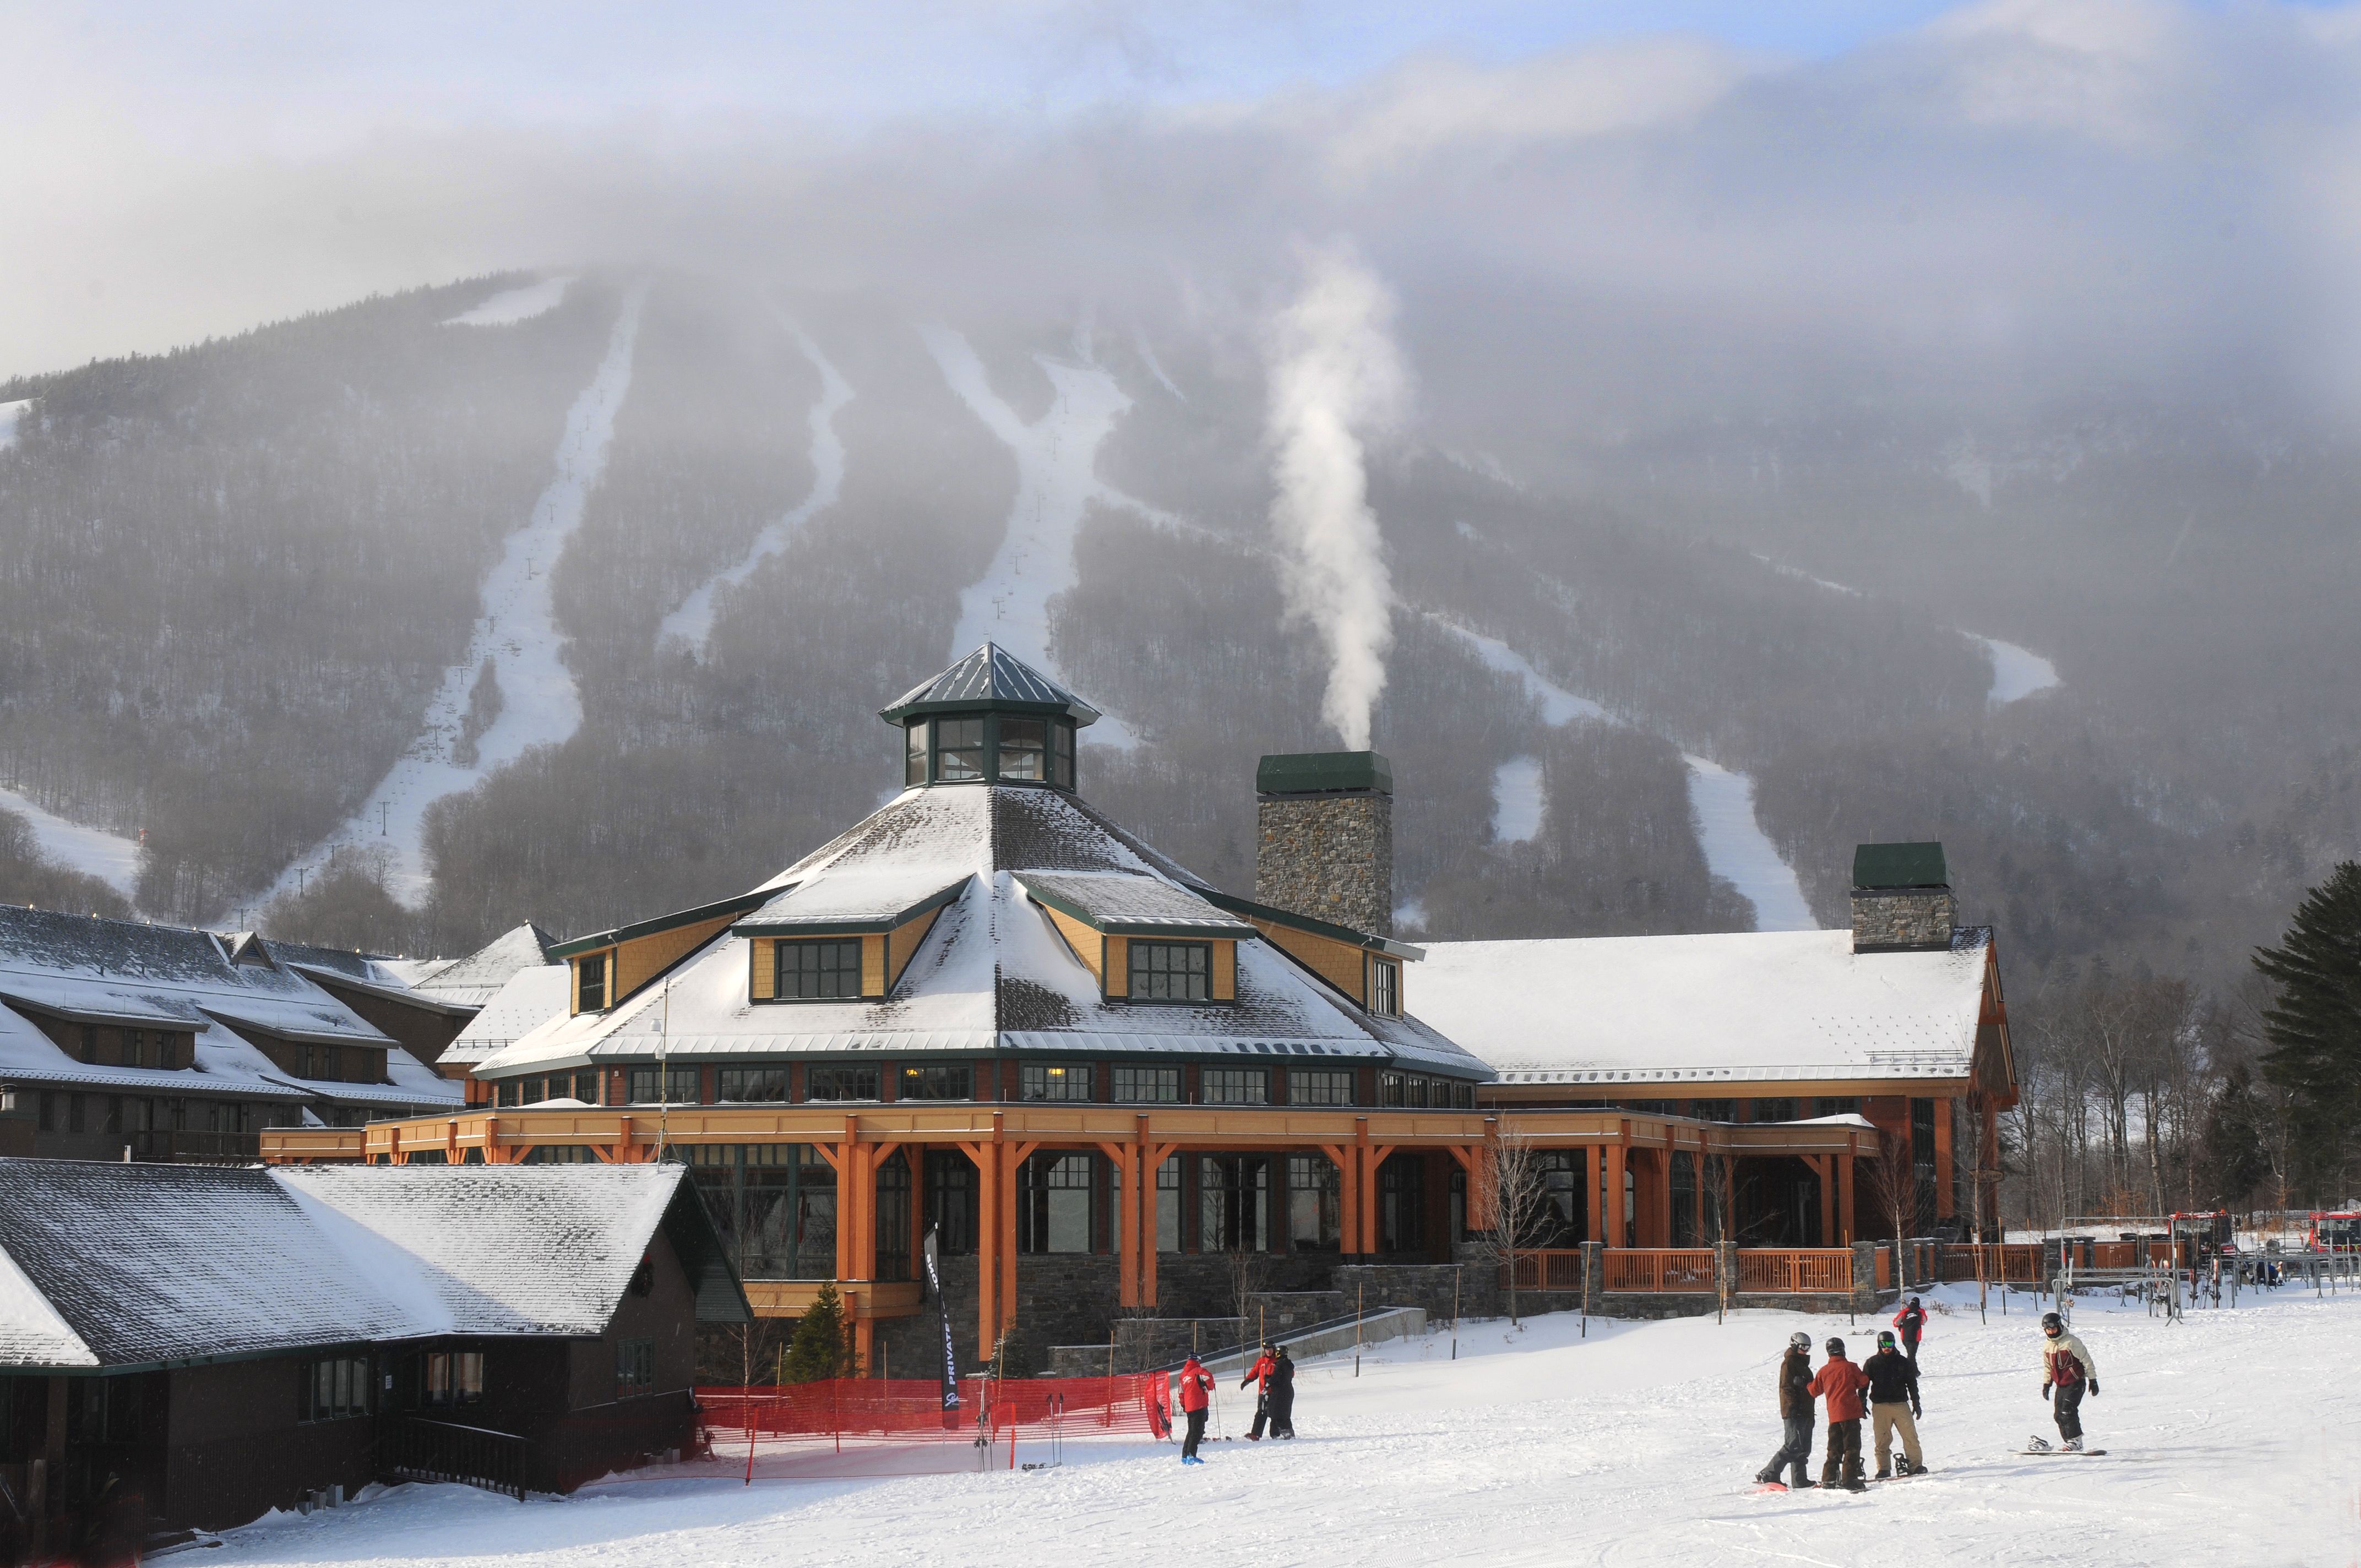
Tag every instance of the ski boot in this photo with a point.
(2073, 1445)
(2036, 1445)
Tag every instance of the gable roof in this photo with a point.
(531, 998)
(124, 1266)
(475, 979)
(991, 676)
(1695, 1009)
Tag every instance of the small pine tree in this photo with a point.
(2236, 1161)
(2315, 1019)
(822, 1347)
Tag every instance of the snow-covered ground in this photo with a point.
(113, 860)
(2017, 672)
(517, 631)
(693, 623)
(1057, 481)
(2228, 1442)
(10, 412)
(1736, 847)
(521, 304)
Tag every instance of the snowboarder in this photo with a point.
(1841, 1383)
(1795, 1415)
(1196, 1390)
(1282, 1389)
(1893, 1402)
(1258, 1375)
(1911, 1321)
(2066, 1370)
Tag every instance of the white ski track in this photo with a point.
(693, 623)
(1057, 481)
(2017, 672)
(1736, 849)
(93, 852)
(517, 630)
(10, 412)
(522, 303)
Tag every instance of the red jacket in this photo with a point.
(1841, 1383)
(1259, 1373)
(1196, 1385)
(1911, 1321)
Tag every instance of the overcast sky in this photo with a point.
(1982, 189)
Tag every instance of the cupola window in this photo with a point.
(1023, 750)
(959, 751)
(913, 760)
(1061, 754)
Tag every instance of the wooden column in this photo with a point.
(1012, 1159)
(1348, 1196)
(1697, 1169)
(1373, 1156)
(1594, 1167)
(1823, 1167)
(1991, 1163)
(1614, 1234)
(986, 1157)
(917, 1156)
(1152, 1157)
(1946, 1199)
(1661, 1208)
(1844, 1199)
(1123, 1157)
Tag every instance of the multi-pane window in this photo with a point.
(1024, 750)
(1233, 1202)
(936, 1081)
(815, 971)
(1774, 1110)
(666, 1086)
(753, 1083)
(1401, 1204)
(1315, 1196)
(1054, 1080)
(1171, 971)
(1319, 1086)
(840, 1084)
(958, 750)
(1713, 1110)
(914, 758)
(561, 1154)
(1561, 1218)
(635, 1367)
(453, 1378)
(1393, 1090)
(1385, 987)
(335, 1388)
(591, 994)
(1053, 1204)
(951, 1201)
(1843, 1105)
(1147, 1085)
(1061, 754)
(1234, 1085)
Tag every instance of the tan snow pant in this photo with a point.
(1884, 1419)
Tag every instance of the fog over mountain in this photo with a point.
(559, 496)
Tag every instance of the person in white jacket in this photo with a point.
(2066, 1369)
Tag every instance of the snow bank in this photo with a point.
(115, 860)
(2017, 672)
(517, 631)
(693, 623)
(510, 306)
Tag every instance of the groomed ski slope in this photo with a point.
(2231, 1441)
(111, 857)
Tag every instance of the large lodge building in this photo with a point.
(988, 1018)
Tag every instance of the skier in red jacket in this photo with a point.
(1841, 1384)
(1196, 1391)
(1911, 1321)
(1258, 1377)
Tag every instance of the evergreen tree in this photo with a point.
(822, 1347)
(2315, 1019)
(2231, 1141)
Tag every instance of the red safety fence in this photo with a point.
(911, 1410)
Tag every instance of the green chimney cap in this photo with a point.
(1899, 865)
(1325, 773)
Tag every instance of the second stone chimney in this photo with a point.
(1902, 899)
(1325, 837)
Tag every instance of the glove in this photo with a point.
(1915, 1411)
(2045, 1391)
(2094, 1388)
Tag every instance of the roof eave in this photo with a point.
(577, 947)
(1318, 927)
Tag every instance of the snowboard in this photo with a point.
(2048, 1451)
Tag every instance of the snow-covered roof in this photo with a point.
(989, 675)
(1123, 901)
(992, 974)
(177, 978)
(475, 979)
(866, 897)
(142, 1264)
(531, 998)
(1738, 1006)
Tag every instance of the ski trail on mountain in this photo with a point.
(693, 623)
(517, 631)
(1736, 847)
(522, 303)
(93, 852)
(1057, 481)
(2017, 672)
(10, 412)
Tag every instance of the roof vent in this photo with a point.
(1902, 899)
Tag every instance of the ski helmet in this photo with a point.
(1885, 1338)
(1836, 1347)
(2052, 1323)
(1799, 1339)
(1914, 1301)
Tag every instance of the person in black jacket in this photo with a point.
(1280, 1392)
(1795, 1415)
(1893, 1402)
(1911, 1321)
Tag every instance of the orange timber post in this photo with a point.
(1617, 1158)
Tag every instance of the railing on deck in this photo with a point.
(1550, 1268)
(1762, 1271)
(410, 1449)
(1802, 1271)
(2010, 1264)
(1658, 1269)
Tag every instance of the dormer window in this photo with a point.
(817, 972)
(590, 983)
(1385, 987)
(1171, 971)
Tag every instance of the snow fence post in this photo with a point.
(1864, 1276)
(1593, 1276)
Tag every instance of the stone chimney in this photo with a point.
(1902, 899)
(1325, 837)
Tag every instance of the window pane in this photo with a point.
(594, 983)
(1319, 1086)
(1235, 1085)
(1061, 754)
(958, 750)
(935, 1080)
(840, 1084)
(1171, 971)
(1385, 987)
(812, 971)
(1147, 1085)
(1021, 747)
(1055, 1081)
(753, 1084)
(914, 758)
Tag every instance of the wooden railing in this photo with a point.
(1550, 1268)
(1658, 1268)
(410, 1449)
(2010, 1264)
(1814, 1271)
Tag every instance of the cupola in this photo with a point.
(990, 719)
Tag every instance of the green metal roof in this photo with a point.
(1325, 773)
(1899, 865)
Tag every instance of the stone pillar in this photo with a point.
(1325, 837)
(1864, 1276)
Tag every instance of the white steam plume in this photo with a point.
(1335, 377)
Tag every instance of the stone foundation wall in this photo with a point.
(1372, 1285)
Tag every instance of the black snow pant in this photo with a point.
(1910, 1347)
(1196, 1434)
(2067, 1402)
(1282, 1413)
(1842, 1465)
(1262, 1418)
(1795, 1455)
